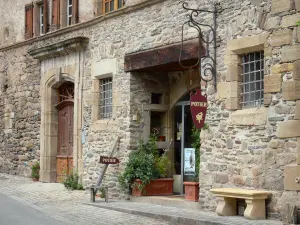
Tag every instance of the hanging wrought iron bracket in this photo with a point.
(208, 63)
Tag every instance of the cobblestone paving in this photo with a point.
(65, 206)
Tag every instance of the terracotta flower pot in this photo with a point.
(162, 186)
(191, 191)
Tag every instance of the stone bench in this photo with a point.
(255, 200)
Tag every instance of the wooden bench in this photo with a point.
(255, 200)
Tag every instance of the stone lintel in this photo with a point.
(247, 44)
(59, 49)
(288, 129)
(249, 117)
(291, 178)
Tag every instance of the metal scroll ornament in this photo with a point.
(198, 104)
(207, 63)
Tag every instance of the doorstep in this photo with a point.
(177, 201)
(178, 216)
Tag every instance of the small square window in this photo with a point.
(111, 5)
(253, 79)
(105, 110)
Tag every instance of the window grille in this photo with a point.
(41, 19)
(69, 12)
(106, 98)
(253, 80)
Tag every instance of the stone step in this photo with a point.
(174, 201)
(178, 216)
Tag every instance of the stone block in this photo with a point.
(222, 178)
(268, 51)
(267, 99)
(290, 20)
(282, 37)
(290, 53)
(297, 5)
(291, 90)
(247, 44)
(281, 6)
(292, 178)
(297, 34)
(272, 83)
(272, 22)
(232, 104)
(282, 68)
(234, 72)
(296, 70)
(298, 151)
(227, 90)
(288, 129)
(297, 111)
(249, 117)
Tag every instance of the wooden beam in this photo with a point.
(164, 58)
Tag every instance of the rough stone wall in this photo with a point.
(12, 24)
(253, 154)
(245, 156)
(20, 111)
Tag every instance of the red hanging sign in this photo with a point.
(198, 108)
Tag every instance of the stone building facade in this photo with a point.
(248, 146)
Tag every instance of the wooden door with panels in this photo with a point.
(65, 107)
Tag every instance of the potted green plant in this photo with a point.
(191, 186)
(35, 171)
(145, 172)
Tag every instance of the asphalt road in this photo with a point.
(13, 212)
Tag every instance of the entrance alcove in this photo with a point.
(167, 105)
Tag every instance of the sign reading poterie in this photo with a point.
(108, 160)
(198, 108)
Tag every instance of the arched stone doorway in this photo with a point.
(60, 143)
(65, 107)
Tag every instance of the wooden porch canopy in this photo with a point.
(165, 58)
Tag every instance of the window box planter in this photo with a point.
(162, 186)
(191, 191)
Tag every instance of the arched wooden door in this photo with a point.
(64, 158)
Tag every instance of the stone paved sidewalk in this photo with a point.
(179, 215)
(64, 206)
(73, 207)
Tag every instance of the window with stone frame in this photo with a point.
(111, 5)
(252, 80)
(105, 104)
(41, 19)
(69, 12)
